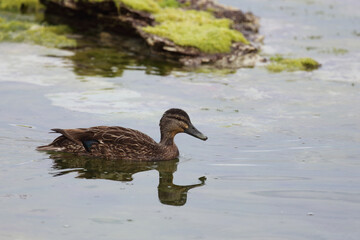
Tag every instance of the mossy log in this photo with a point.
(117, 18)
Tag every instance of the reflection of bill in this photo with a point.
(117, 170)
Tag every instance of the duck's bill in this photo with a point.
(191, 130)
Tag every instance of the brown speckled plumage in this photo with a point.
(125, 143)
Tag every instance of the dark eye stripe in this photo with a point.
(178, 118)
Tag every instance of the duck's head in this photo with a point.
(176, 121)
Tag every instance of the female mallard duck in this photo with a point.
(125, 143)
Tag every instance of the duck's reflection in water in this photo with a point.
(92, 168)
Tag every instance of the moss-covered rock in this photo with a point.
(279, 64)
(198, 29)
(193, 28)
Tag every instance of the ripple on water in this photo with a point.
(313, 195)
(18, 61)
(108, 101)
(107, 220)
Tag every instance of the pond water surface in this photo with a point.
(282, 160)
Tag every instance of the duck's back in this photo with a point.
(107, 142)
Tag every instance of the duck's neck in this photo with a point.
(170, 150)
(167, 139)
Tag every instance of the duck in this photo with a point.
(115, 142)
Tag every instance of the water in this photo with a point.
(281, 161)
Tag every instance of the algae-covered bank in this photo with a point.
(22, 21)
(191, 33)
(31, 32)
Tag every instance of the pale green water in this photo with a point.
(281, 162)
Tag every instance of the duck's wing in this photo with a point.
(125, 143)
(119, 135)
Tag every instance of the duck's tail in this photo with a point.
(54, 146)
(49, 148)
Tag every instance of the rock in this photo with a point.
(119, 19)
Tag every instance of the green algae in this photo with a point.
(198, 17)
(279, 64)
(213, 71)
(356, 33)
(169, 3)
(150, 6)
(198, 29)
(335, 51)
(20, 5)
(28, 32)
